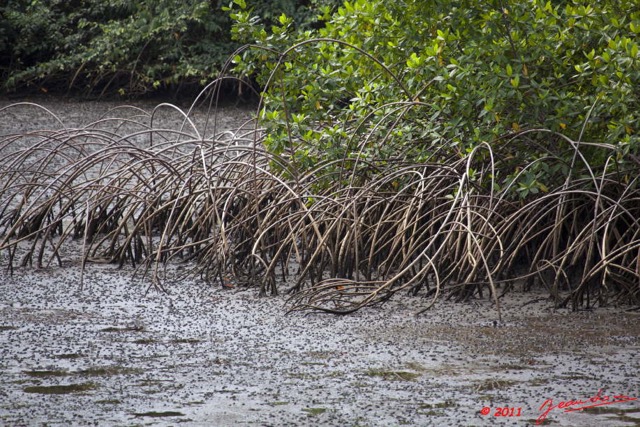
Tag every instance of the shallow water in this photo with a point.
(116, 352)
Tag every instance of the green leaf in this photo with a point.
(414, 61)
(591, 55)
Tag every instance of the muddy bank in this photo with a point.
(52, 113)
(115, 354)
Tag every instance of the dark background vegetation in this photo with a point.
(123, 48)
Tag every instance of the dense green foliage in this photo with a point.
(132, 47)
(414, 78)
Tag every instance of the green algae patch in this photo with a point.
(393, 375)
(154, 414)
(134, 328)
(68, 356)
(312, 412)
(109, 402)
(107, 371)
(45, 373)
(95, 371)
(60, 389)
(145, 341)
(492, 384)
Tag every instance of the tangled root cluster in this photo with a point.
(129, 193)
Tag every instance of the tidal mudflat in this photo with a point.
(116, 352)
